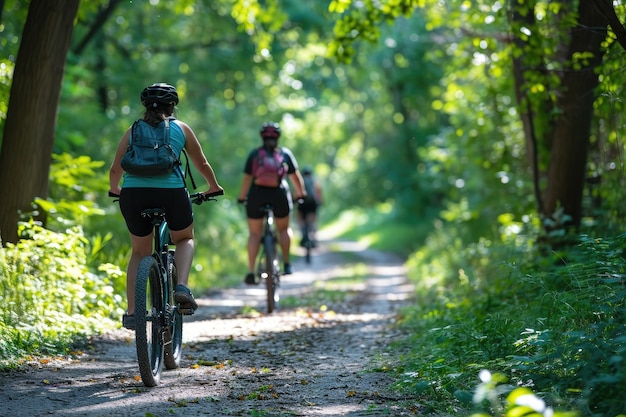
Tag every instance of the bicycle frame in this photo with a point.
(158, 319)
(158, 332)
(268, 265)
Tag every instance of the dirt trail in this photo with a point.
(295, 362)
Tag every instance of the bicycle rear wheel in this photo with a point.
(174, 337)
(270, 255)
(149, 321)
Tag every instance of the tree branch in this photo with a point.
(101, 18)
(608, 12)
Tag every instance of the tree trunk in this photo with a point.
(29, 129)
(557, 146)
(525, 18)
(570, 136)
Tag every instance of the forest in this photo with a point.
(481, 140)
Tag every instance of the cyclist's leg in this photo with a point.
(183, 257)
(312, 221)
(255, 227)
(282, 212)
(180, 221)
(132, 201)
(183, 239)
(302, 211)
(284, 239)
(141, 247)
(301, 216)
(255, 216)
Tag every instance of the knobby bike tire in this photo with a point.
(269, 249)
(148, 321)
(174, 336)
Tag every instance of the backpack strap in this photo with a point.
(132, 133)
(187, 171)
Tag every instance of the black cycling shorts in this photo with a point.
(175, 202)
(258, 197)
(308, 206)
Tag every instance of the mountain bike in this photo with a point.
(268, 267)
(159, 330)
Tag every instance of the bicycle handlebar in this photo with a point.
(196, 198)
(199, 198)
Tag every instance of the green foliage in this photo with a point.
(362, 21)
(221, 237)
(518, 402)
(377, 227)
(50, 293)
(259, 21)
(419, 142)
(553, 324)
(73, 184)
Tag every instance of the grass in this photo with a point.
(545, 326)
(378, 229)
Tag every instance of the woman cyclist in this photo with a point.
(166, 191)
(264, 182)
(307, 211)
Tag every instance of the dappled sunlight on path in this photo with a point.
(311, 357)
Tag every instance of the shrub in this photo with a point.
(50, 294)
(553, 324)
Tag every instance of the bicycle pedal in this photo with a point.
(186, 310)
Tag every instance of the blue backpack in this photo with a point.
(150, 154)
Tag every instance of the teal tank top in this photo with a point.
(171, 180)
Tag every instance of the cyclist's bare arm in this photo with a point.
(192, 145)
(245, 186)
(298, 182)
(318, 193)
(116, 171)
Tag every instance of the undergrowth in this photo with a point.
(550, 324)
(51, 296)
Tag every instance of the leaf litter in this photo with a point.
(302, 360)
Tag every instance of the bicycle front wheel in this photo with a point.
(174, 340)
(149, 321)
(270, 255)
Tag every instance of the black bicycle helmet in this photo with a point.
(159, 93)
(270, 130)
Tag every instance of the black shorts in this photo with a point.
(175, 202)
(308, 206)
(258, 197)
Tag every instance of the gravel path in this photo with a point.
(299, 361)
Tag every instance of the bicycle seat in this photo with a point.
(153, 213)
